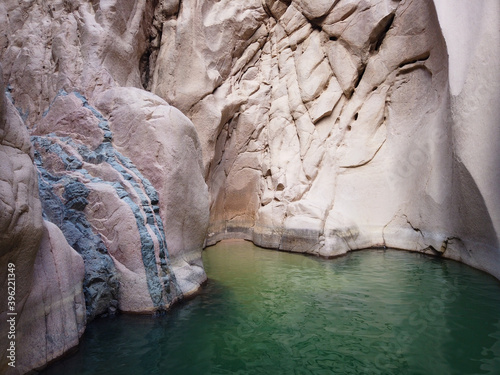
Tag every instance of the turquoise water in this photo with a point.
(269, 312)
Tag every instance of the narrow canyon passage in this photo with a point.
(135, 133)
(268, 312)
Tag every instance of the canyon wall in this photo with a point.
(133, 133)
(331, 127)
(43, 305)
(474, 80)
(98, 214)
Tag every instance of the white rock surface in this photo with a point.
(332, 127)
(475, 115)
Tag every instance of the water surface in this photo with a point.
(269, 312)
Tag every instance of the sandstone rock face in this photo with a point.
(120, 207)
(53, 318)
(319, 127)
(329, 126)
(21, 224)
(86, 46)
(46, 272)
(118, 214)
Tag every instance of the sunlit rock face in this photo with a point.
(329, 126)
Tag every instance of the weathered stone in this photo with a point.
(78, 45)
(348, 103)
(76, 195)
(325, 126)
(46, 273)
(183, 197)
(53, 317)
(100, 284)
(316, 9)
(112, 212)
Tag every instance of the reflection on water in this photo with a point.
(269, 312)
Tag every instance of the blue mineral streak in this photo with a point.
(161, 281)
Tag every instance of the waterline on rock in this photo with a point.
(262, 311)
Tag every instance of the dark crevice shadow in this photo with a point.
(473, 220)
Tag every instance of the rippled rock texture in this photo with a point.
(160, 126)
(329, 126)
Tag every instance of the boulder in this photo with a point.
(41, 273)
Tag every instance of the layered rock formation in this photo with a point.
(110, 211)
(319, 127)
(128, 222)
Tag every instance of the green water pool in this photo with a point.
(270, 312)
